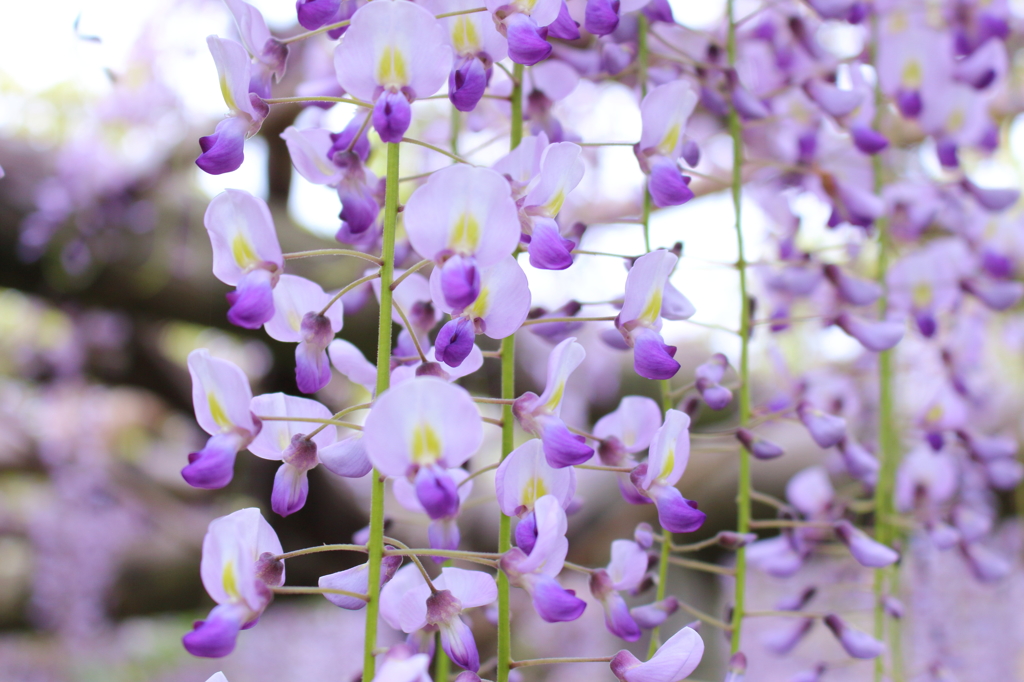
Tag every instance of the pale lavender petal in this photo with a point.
(633, 423)
(994, 200)
(826, 429)
(674, 660)
(346, 458)
(457, 641)
(865, 550)
(784, 637)
(875, 335)
(650, 616)
(525, 475)
(857, 643)
(312, 368)
(831, 99)
(811, 491)
(995, 294)
(443, 534)
(853, 290)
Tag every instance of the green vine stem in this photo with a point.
(508, 392)
(743, 493)
(375, 545)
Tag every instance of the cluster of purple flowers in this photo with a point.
(922, 255)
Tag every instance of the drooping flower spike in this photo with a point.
(463, 218)
(270, 55)
(246, 255)
(656, 479)
(535, 571)
(539, 415)
(223, 151)
(476, 44)
(628, 430)
(297, 319)
(665, 112)
(238, 571)
(407, 604)
(220, 397)
(287, 442)
(393, 53)
(649, 297)
(419, 429)
(673, 661)
(500, 308)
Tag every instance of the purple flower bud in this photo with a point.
(690, 151)
(732, 540)
(868, 140)
(643, 534)
(946, 150)
(667, 185)
(783, 639)
(291, 484)
(564, 28)
(875, 335)
(359, 210)
(908, 102)
(676, 513)
(857, 643)
(392, 115)
(893, 606)
(860, 463)
(617, 617)
(826, 429)
(526, 40)
(866, 551)
(986, 565)
(313, 14)
(737, 669)
(454, 341)
(1004, 474)
(749, 107)
(652, 357)
(853, 290)
(832, 100)
(602, 16)
(650, 616)
(466, 83)
(562, 447)
(757, 446)
(995, 294)
(717, 397)
(555, 604)
(797, 601)
(437, 492)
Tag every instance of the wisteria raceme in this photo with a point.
(866, 350)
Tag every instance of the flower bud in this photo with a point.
(857, 643)
(757, 446)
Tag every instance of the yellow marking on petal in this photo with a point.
(554, 204)
(652, 311)
(465, 236)
(922, 294)
(391, 69)
(670, 463)
(480, 305)
(283, 439)
(533, 491)
(225, 90)
(556, 397)
(220, 417)
(934, 414)
(912, 74)
(628, 437)
(465, 36)
(955, 120)
(294, 320)
(228, 580)
(426, 446)
(243, 251)
(898, 22)
(668, 143)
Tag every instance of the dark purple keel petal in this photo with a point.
(291, 487)
(526, 532)
(316, 13)
(392, 115)
(460, 281)
(466, 83)
(214, 637)
(602, 17)
(312, 368)
(563, 448)
(457, 641)
(454, 342)
(553, 603)
(652, 358)
(214, 465)
(359, 209)
(676, 513)
(868, 140)
(526, 40)
(563, 27)
(667, 185)
(660, 10)
(436, 491)
(223, 151)
(549, 250)
(252, 301)
(618, 619)
(909, 102)
(630, 493)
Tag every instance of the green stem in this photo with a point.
(508, 392)
(442, 664)
(743, 493)
(375, 545)
(666, 550)
(642, 53)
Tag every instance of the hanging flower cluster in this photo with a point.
(922, 256)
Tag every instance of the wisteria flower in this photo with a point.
(525, 476)
(298, 303)
(560, 171)
(408, 604)
(628, 430)
(476, 44)
(220, 397)
(270, 55)
(223, 151)
(442, 533)
(539, 415)
(357, 581)
(246, 255)
(665, 112)
(238, 570)
(625, 571)
(525, 24)
(656, 479)
(674, 660)
(419, 429)
(393, 53)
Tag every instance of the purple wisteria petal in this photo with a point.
(853, 290)
(826, 429)
(602, 17)
(875, 335)
(831, 99)
(524, 476)
(443, 534)
(783, 638)
(811, 492)
(252, 303)
(356, 580)
(351, 362)
(775, 556)
(242, 236)
(868, 140)
(674, 660)
(669, 452)
(460, 281)
(757, 446)
(392, 115)
(313, 14)
(857, 643)
(466, 83)
(526, 40)
(633, 423)
(676, 513)
(277, 439)
(458, 642)
(995, 294)
(223, 151)
(865, 550)
(346, 458)
(503, 303)
(437, 492)
(564, 28)
(667, 185)
(627, 566)
(549, 250)
(213, 467)
(454, 342)
(562, 448)
(616, 614)
(526, 532)
(561, 169)
(650, 616)
(554, 603)
(652, 357)
(291, 486)
(664, 112)
(216, 636)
